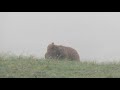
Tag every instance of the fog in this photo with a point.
(95, 35)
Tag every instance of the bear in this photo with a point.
(61, 52)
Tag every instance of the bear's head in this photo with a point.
(52, 51)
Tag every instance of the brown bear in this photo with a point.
(61, 52)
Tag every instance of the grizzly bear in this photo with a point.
(61, 52)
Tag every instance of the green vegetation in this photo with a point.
(13, 66)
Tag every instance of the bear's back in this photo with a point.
(69, 52)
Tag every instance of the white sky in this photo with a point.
(92, 34)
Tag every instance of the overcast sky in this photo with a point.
(92, 34)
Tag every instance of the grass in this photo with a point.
(13, 66)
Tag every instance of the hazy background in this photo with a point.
(95, 35)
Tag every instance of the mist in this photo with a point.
(95, 35)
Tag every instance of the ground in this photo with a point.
(31, 67)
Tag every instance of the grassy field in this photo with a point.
(30, 67)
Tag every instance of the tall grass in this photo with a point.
(13, 66)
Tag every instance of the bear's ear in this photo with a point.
(52, 43)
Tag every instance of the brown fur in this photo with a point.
(61, 52)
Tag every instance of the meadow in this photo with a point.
(13, 66)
